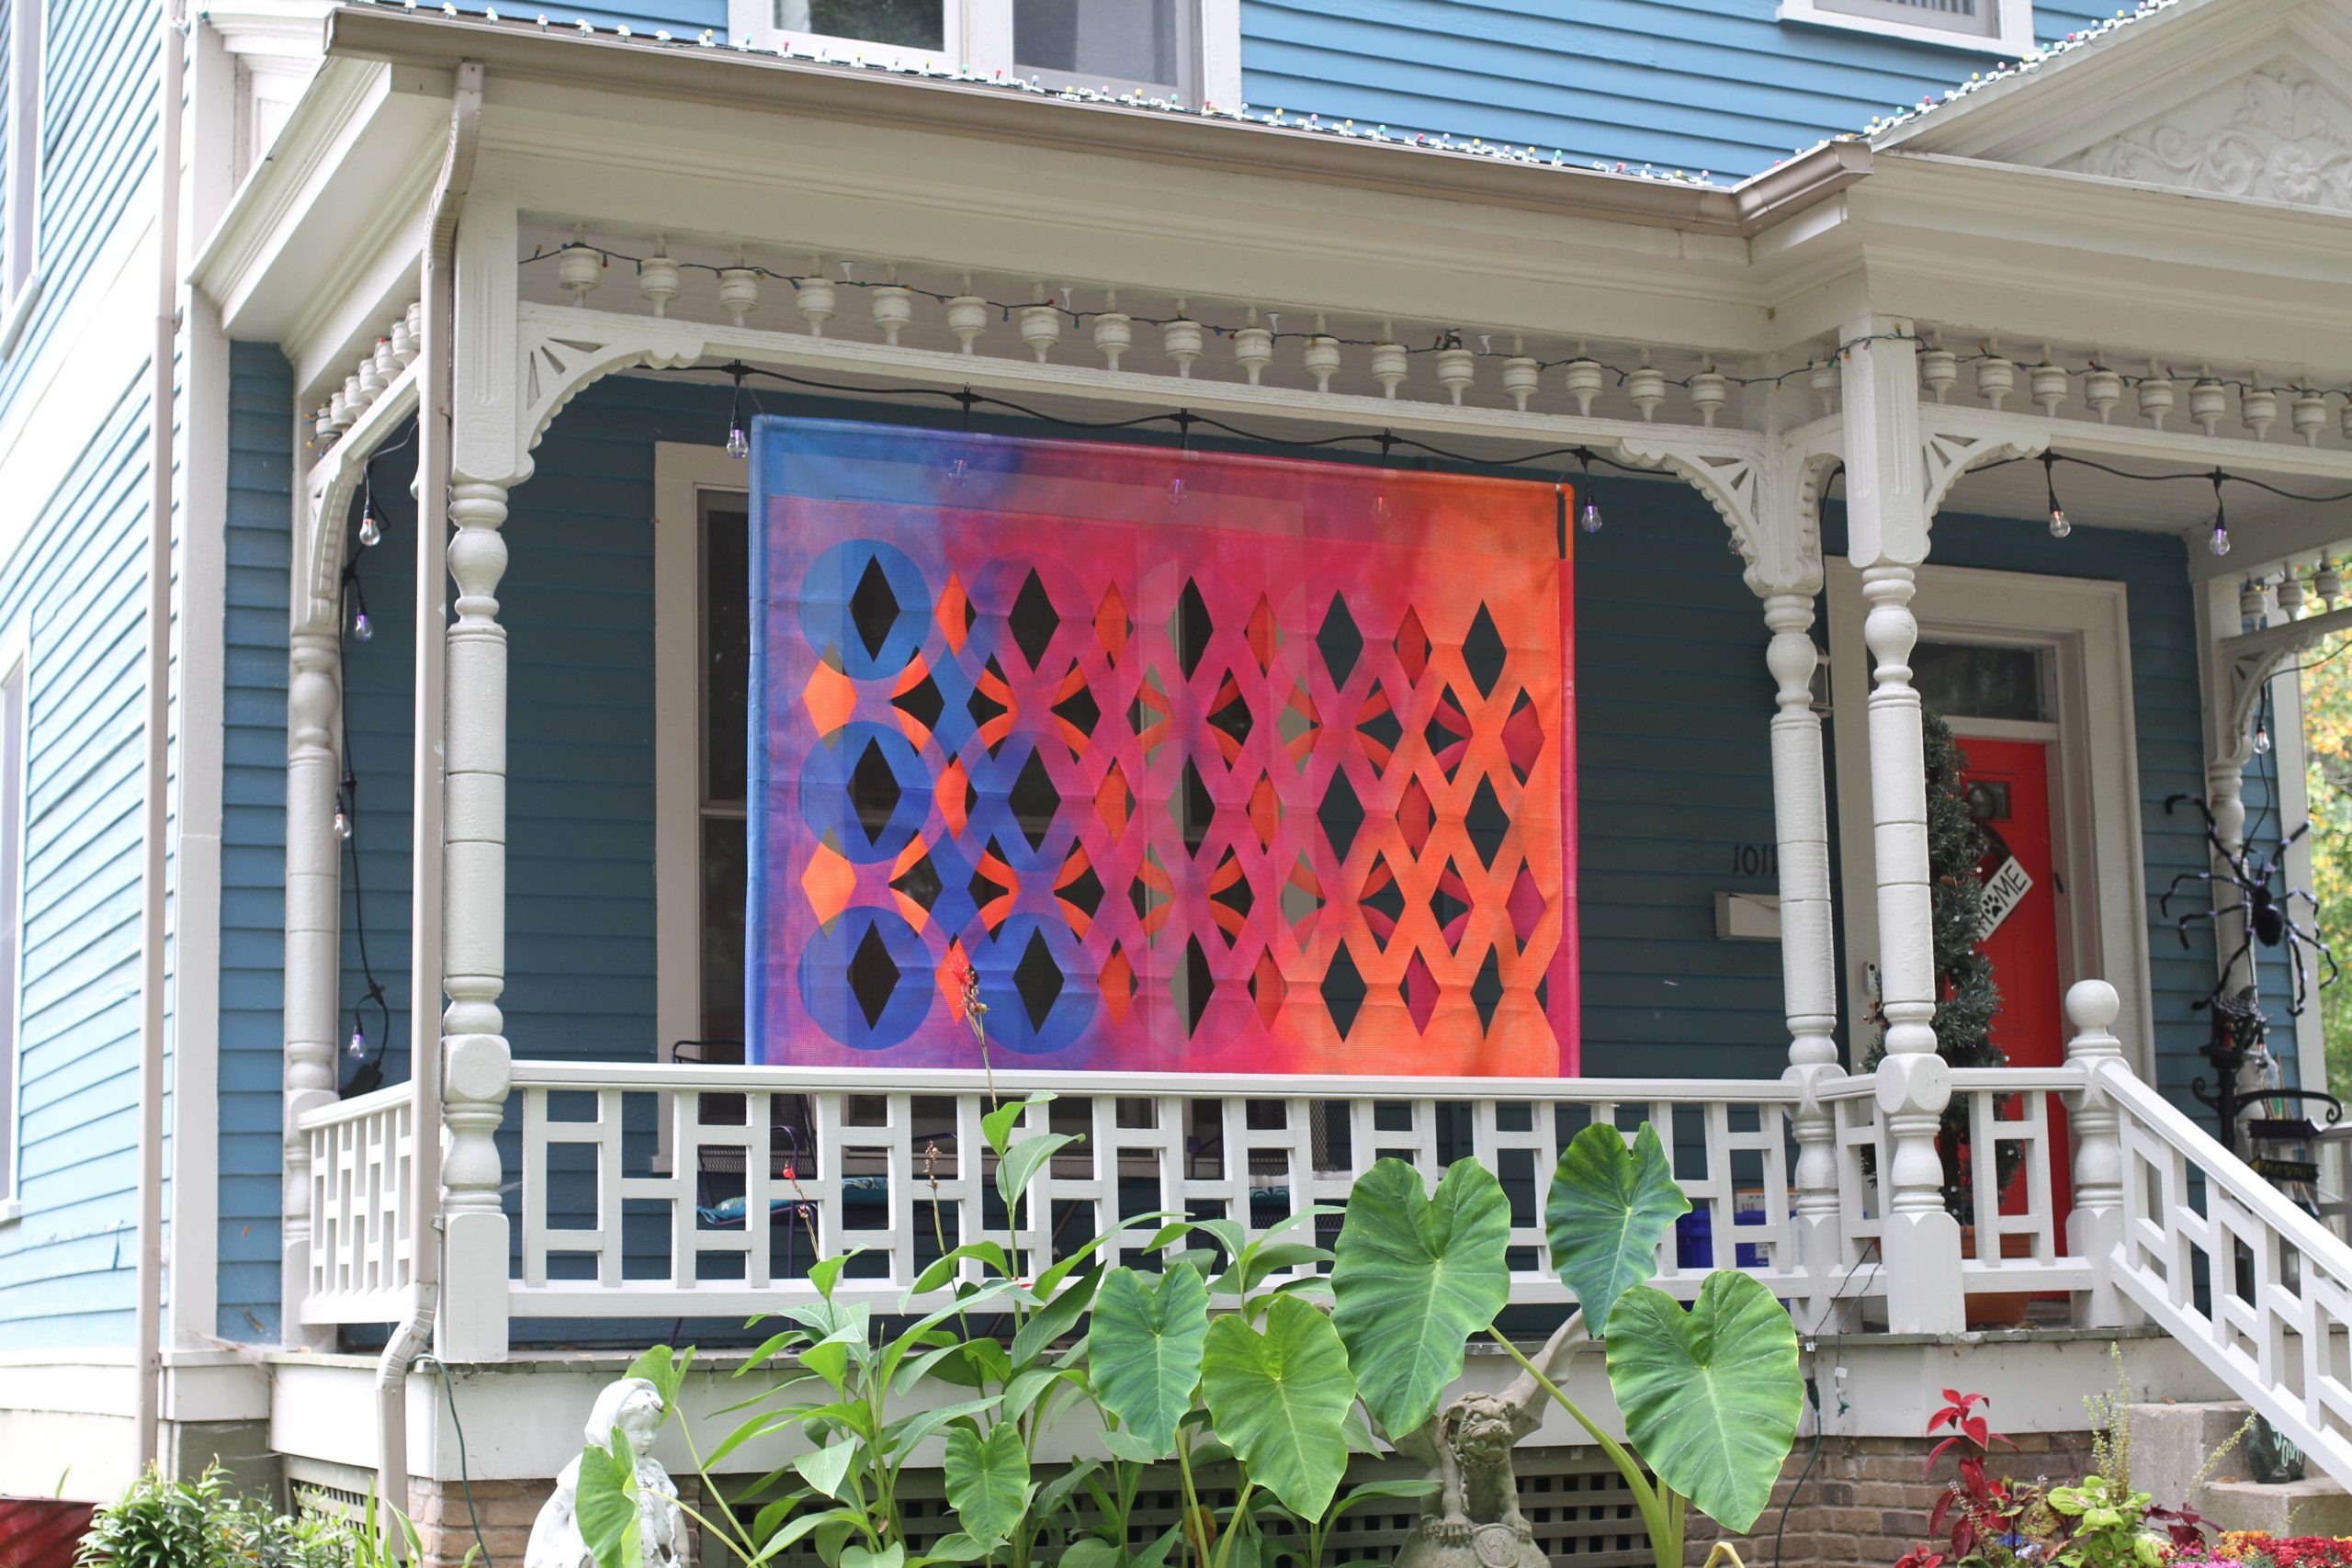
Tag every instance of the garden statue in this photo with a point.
(1475, 1522)
(633, 1406)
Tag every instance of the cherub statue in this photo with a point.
(1474, 1522)
(633, 1405)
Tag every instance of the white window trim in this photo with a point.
(2013, 35)
(27, 26)
(978, 34)
(2085, 623)
(682, 474)
(15, 661)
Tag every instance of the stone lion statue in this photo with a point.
(1474, 1521)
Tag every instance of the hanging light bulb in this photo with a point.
(342, 824)
(357, 1049)
(739, 444)
(2262, 741)
(362, 628)
(2219, 542)
(371, 530)
(2059, 527)
(1589, 515)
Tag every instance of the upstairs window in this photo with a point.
(20, 54)
(1187, 49)
(2000, 27)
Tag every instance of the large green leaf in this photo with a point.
(987, 1481)
(1020, 1162)
(1416, 1276)
(1609, 1209)
(1710, 1396)
(606, 1505)
(1280, 1399)
(1145, 1350)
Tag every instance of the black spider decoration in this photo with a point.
(2266, 910)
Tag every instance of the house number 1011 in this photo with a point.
(1756, 860)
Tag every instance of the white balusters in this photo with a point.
(657, 279)
(2048, 383)
(1455, 367)
(1938, 370)
(894, 307)
(1522, 376)
(1322, 358)
(1114, 330)
(2155, 397)
(739, 290)
(579, 269)
(967, 317)
(812, 296)
(1827, 378)
(2310, 415)
(2208, 401)
(1253, 348)
(2258, 407)
(1180, 340)
(1041, 325)
(1645, 386)
(1996, 376)
(1709, 392)
(1388, 361)
(1583, 378)
(2102, 389)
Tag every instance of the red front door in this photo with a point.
(2008, 783)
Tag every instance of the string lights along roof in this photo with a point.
(1890, 127)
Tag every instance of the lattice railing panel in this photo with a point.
(361, 1230)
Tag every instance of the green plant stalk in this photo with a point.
(1233, 1528)
(1191, 1499)
(1664, 1523)
(686, 1430)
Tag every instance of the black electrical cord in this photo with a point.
(368, 1074)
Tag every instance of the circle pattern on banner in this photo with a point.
(867, 979)
(861, 588)
(874, 761)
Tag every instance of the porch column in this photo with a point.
(486, 461)
(2095, 1227)
(1887, 529)
(314, 944)
(1808, 958)
(475, 1071)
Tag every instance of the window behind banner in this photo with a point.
(1175, 760)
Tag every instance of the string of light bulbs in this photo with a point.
(1986, 352)
(368, 1067)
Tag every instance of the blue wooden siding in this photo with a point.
(73, 592)
(96, 147)
(253, 836)
(1715, 85)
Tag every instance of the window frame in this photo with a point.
(978, 34)
(684, 475)
(16, 796)
(2012, 35)
(20, 278)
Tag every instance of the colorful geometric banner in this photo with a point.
(1193, 762)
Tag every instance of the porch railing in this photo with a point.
(363, 1235)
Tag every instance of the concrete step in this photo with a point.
(2171, 1443)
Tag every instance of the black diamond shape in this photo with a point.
(1340, 643)
(1083, 891)
(1194, 987)
(1192, 628)
(1482, 650)
(874, 791)
(922, 702)
(873, 608)
(919, 881)
(1390, 899)
(1343, 991)
(1035, 800)
(1198, 808)
(1234, 718)
(1440, 732)
(1487, 990)
(1444, 906)
(1080, 711)
(1141, 894)
(1341, 813)
(1382, 728)
(1034, 620)
(1544, 995)
(1485, 823)
(1038, 980)
(873, 975)
(984, 890)
(1236, 896)
(984, 707)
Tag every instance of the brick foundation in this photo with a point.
(504, 1509)
(1866, 1501)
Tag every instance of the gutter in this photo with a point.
(156, 775)
(414, 1335)
(737, 78)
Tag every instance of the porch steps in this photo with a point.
(2170, 1443)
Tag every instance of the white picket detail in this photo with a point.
(895, 1163)
(362, 1231)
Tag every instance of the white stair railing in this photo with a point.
(2257, 1290)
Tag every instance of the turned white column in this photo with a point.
(1887, 537)
(1809, 957)
(475, 1071)
(2095, 1227)
(313, 945)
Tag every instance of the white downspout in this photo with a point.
(414, 1335)
(156, 788)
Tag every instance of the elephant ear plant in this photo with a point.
(1213, 1356)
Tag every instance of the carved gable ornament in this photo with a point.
(2286, 141)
